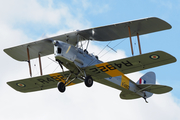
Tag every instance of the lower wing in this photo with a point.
(129, 65)
(41, 82)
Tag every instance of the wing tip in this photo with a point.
(168, 26)
(12, 86)
(173, 59)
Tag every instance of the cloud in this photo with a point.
(95, 8)
(23, 11)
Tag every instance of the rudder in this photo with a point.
(148, 78)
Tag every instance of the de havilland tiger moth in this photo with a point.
(85, 67)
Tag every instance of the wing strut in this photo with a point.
(139, 44)
(130, 40)
(29, 62)
(40, 64)
(129, 29)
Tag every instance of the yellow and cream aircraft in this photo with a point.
(85, 67)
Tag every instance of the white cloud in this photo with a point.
(9, 37)
(84, 3)
(19, 11)
(94, 8)
(25, 11)
(78, 102)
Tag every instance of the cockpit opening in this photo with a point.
(59, 50)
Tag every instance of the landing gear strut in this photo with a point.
(145, 97)
(88, 81)
(62, 85)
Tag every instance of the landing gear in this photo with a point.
(145, 100)
(88, 81)
(145, 97)
(61, 87)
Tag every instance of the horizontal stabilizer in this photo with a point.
(157, 89)
(127, 95)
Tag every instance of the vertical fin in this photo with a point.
(148, 78)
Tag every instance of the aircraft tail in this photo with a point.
(147, 79)
(147, 85)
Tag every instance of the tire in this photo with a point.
(88, 81)
(61, 87)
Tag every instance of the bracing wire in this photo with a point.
(112, 47)
(42, 69)
(35, 68)
(55, 68)
(119, 43)
(135, 47)
(99, 53)
(104, 48)
(47, 65)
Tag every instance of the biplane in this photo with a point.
(85, 67)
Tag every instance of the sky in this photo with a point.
(26, 21)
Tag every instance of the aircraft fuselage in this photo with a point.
(75, 59)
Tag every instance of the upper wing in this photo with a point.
(131, 64)
(41, 82)
(117, 31)
(42, 47)
(104, 33)
(120, 30)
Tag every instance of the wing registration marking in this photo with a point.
(60, 78)
(113, 72)
(109, 69)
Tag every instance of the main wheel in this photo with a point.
(88, 81)
(61, 86)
